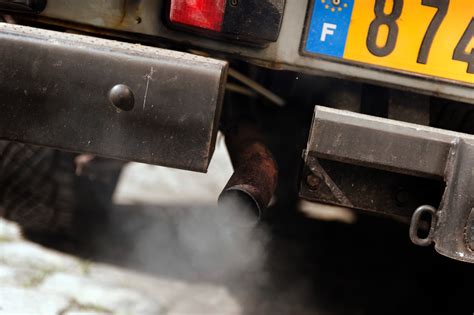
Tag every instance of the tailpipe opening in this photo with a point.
(255, 177)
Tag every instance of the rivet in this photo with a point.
(402, 197)
(313, 181)
(121, 96)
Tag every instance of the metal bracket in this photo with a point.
(377, 155)
(453, 218)
(108, 98)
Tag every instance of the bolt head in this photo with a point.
(402, 197)
(122, 97)
(313, 181)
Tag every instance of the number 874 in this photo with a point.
(390, 20)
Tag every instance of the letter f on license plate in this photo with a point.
(329, 27)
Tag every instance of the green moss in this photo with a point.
(5, 239)
(37, 279)
(76, 306)
(85, 267)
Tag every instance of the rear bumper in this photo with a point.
(56, 91)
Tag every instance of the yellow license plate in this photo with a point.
(428, 37)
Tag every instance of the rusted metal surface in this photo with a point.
(379, 143)
(387, 193)
(255, 170)
(470, 231)
(114, 14)
(449, 234)
(391, 167)
(148, 18)
(108, 98)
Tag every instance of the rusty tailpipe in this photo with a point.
(255, 171)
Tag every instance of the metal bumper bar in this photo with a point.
(109, 98)
(377, 155)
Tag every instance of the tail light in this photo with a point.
(254, 21)
(205, 14)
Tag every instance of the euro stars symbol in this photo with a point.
(334, 5)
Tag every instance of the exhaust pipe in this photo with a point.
(255, 171)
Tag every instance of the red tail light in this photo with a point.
(206, 14)
(255, 22)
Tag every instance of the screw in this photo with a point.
(402, 197)
(313, 181)
(121, 96)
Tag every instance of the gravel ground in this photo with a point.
(166, 249)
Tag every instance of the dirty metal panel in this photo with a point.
(147, 17)
(56, 92)
(388, 167)
(380, 143)
(390, 194)
(453, 220)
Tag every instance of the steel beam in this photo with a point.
(374, 152)
(109, 98)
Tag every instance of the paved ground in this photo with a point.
(166, 249)
(38, 280)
